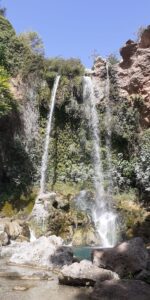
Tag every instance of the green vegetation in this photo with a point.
(69, 167)
(142, 166)
(7, 102)
(112, 59)
(131, 212)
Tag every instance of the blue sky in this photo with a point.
(74, 28)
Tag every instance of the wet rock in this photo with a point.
(84, 274)
(126, 258)
(121, 290)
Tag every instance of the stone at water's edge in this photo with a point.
(125, 259)
(44, 252)
(84, 274)
(121, 290)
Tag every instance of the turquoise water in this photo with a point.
(83, 252)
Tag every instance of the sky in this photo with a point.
(79, 28)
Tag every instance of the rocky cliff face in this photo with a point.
(133, 73)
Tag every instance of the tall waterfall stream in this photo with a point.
(47, 138)
(102, 213)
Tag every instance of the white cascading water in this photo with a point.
(88, 96)
(47, 138)
(108, 117)
(32, 235)
(103, 216)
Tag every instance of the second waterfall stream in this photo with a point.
(47, 138)
(102, 214)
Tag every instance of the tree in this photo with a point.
(33, 41)
(2, 10)
(113, 59)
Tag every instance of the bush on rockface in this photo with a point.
(142, 166)
(132, 213)
(7, 103)
(123, 172)
(70, 85)
(66, 67)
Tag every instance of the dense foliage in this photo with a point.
(23, 122)
(6, 100)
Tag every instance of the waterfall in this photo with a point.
(108, 117)
(91, 112)
(47, 138)
(103, 216)
(32, 235)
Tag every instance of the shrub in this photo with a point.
(142, 166)
(7, 102)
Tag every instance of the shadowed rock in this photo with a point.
(121, 290)
(124, 259)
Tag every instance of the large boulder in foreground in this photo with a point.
(44, 252)
(84, 274)
(121, 290)
(125, 259)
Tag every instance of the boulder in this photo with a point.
(84, 274)
(128, 50)
(144, 275)
(121, 290)
(9, 250)
(4, 240)
(44, 252)
(85, 236)
(125, 259)
(17, 228)
(13, 229)
(62, 256)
